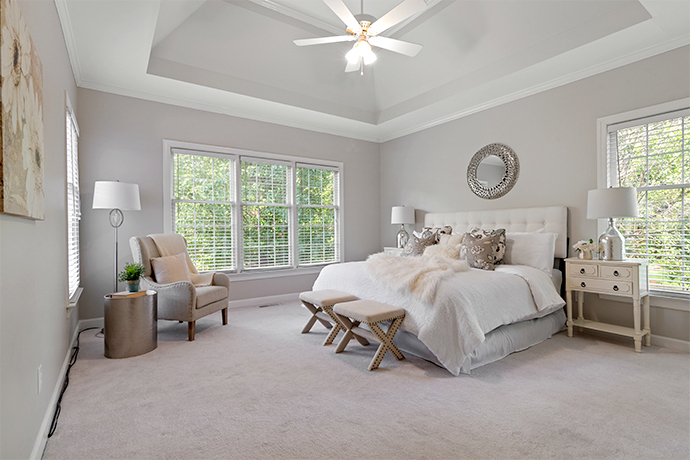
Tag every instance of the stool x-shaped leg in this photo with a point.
(314, 310)
(386, 340)
(347, 326)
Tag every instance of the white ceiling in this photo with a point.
(237, 56)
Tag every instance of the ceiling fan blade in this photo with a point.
(322, 40)
(353, 66)
(398, 14)
(344, 14)
(399, 46)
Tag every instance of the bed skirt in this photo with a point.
(497, 344)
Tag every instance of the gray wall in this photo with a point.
(33, 260)
(554, 135)
(122, 138)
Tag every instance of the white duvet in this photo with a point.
(467, 305)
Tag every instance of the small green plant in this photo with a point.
(132, 272)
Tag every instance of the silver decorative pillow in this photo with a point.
(482, 248)
(501, 245)
(437, 231)
(415, 247)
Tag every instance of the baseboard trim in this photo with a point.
(657, 340)
(268, 300)
(671, 343)
(42, 436)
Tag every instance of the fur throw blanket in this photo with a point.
(419, 276)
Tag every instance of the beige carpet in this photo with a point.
(257, 388)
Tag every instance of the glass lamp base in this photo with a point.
(402, 237)
(612, 243)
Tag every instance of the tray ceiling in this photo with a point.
(237, 56)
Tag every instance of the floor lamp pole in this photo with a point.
(116, 219)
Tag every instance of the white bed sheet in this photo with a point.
(488, 299)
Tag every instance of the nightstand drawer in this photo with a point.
(589, 270)
(600, 285)
(616, 273)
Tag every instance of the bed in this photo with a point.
(473, 317)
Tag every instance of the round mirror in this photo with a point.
(493, 171)
(490, 171)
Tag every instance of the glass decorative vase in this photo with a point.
(133, 286)
(585, 255)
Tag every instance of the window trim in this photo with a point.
(72, 297)
(293, 160)
(603, 123)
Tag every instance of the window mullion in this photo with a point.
(238, 231)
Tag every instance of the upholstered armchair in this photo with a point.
(181, 300)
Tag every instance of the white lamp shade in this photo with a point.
(116, 195)
(402, 215)
(604, 203)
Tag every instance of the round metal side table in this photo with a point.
(131, 325)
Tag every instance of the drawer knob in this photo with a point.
(583, 284)
(615, 273)
(582, 271)
(615, 288)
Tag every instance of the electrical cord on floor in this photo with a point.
(72, 360)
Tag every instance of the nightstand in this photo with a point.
(393, 251)
(625, 278)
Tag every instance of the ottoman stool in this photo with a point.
(370, 313)
(320, 302)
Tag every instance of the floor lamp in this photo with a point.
(116, 196)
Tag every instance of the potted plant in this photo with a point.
(131, 275)
(584, 248)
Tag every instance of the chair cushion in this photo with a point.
(170, 269)
(368, 311)
(206, 295)
(327, 297)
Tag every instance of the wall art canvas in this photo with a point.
(21, 123)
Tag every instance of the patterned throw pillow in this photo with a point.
(501, 247)
(482, 248)
(437, 231)
(415, 247)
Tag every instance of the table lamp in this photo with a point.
(402, 215)
(116, 196)
(610, 203)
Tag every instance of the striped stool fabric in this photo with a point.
(320, 302)
(370, 313)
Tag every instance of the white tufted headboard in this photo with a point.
(553, 219)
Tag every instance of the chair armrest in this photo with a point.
(221, 279)
(175, 300)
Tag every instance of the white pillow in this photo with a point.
(533, 249)
(170, 269)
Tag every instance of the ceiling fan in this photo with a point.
(365, 29)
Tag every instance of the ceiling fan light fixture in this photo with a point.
(361, 50)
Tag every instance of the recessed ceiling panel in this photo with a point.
(238, 56)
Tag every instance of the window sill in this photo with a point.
(268, 274)
(73, 301)
(658, 301)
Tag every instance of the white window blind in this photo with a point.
(653, 154)
(202, 207)
(244, 211)
(73, 202)
(265, 213)
(317, 214)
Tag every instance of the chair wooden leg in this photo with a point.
(190, 330)
(224, 313)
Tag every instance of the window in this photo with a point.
(73, 203)
(317, 198)
(652, 153)
(243, 211)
